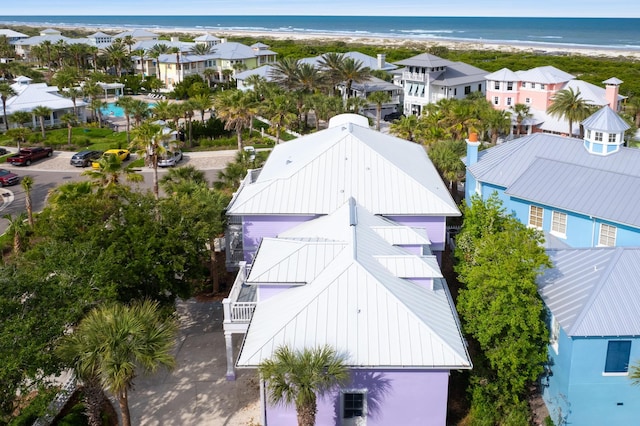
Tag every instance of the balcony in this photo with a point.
(415, 76)
(239, 305)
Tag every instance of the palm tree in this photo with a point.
(331, 63)
(155, 52)
(209, 73)
(201, 49)
(161, 110)
(522, 112)
(70, 120)
(127, 104)
(353, 71)
(21, 117)
(571, 106)
(149, 139)
(632, 107)
(17, 227)
(286, 73)
(73, 94)
(236, 109)
(498, 121)
(405, 127)
(115, 54)
(5, 93)
(183, 180)
(41, 112)
(379, 98)
(27, 185)
(109, 172)
(445, 156)
(177, 53)
(201, 102)
(19, 135)
(113, 342)
(279, 109)
(299, 377)
(139, 110)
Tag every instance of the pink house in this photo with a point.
(537, 87)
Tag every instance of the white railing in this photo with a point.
(415, 76)
(234, 311)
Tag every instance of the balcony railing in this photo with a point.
(415, 76)
(241, 302)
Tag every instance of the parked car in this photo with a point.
(26, 156)
(393, 116)
(8, 178)
(84, 158)
(170, 159)
(3, 151)
(122, 154)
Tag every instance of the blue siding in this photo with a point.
(556, 394)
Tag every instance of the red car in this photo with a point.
(7, 178)
(26, 156)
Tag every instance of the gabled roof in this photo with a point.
(367, 61)
(592, 94)
(605, 120)
(12, 34)
(136, 34)
(375, 84)
(613, 81)
(563, 166)
(99, 34)
(356, 303)
(206, 37)
(317, 173)
(505, 74)
(547, 75)
(263, 71)
(259, 45)
(426, 60)
(594, 291)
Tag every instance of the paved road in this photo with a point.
(51, 172)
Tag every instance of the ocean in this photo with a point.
(603, 33)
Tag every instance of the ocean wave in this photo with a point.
(546, 37)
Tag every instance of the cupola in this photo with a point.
(604, 132)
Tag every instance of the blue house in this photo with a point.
(594, 298)
(584, 194)
(579, 192)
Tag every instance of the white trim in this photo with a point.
(356, 421)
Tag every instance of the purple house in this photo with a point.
(337, 240)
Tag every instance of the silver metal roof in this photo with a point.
(425, 60)
(546, 74)
(504, 165)
(358, 304)
(505, 74)
(594, 291)
(317, 173)
(605, 120)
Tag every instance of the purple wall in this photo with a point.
(417, 250)
(267, 291)
(423, 282)
(255, 228)
(436, 227)
(394, 397)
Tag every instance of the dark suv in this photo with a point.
(84, 158)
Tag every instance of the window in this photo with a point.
(559, 223)
(354, 407)
(496, 100)
(509, 85)
(467, 90)
(598, 136)
(542, 86)
(455, 92)
(588, 134)
(535, 216)
(607, 235)
(509, 101)
(524, 84)
(496, 85)
(527, 100)
(480, 87)
(618, 356)
(612, 137)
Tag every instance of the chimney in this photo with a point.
(381, 60)
(472, 149)
(175, 39)
(611, 92)
(223, 40)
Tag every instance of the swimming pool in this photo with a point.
(113, 110)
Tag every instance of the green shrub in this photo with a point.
(37, 407)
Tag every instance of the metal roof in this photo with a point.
(426, 60)
(358, 305)
(458, 73)
(367, 61)
(317, 173)
(505, 74)
(594, 291)
(30, 96)
(504, 165)
(547, 75)
(606, 120)
(579, 189)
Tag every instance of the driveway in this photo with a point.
(197, 392)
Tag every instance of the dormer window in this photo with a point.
(598, 137)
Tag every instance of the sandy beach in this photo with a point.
(387, 42)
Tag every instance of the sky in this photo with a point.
(552, 8)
